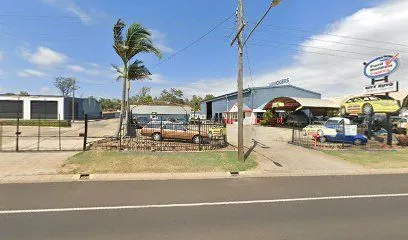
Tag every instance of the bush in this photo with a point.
(42, 123)
(402, 139)
(263, 123)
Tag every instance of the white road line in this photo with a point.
(51, 210)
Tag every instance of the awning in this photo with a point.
(234, 108)
(294, 103)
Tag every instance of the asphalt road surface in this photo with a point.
(344, 207)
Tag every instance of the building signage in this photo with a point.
(383, 87)
(285, 81)
(381, 67)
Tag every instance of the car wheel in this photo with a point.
(157, 137)
(320, 132)
(343, 111)
(322, 139)
(358, 142)
(197, 139)
(368, 109)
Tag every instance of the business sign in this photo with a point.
(285, 81)
(381, 67)
(383, 87)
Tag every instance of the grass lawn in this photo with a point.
(155, 162)
(375, 159)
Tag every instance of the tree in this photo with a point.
(143, 96)
(209, 96)
(173, 95)
(195, 103)
(109, 104)
(66, 85)
(137, 40)
(24, 93)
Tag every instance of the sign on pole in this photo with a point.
(378, 88)
(381, 67)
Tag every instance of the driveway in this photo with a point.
(49, 140)
(275, 154)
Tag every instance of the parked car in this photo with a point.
(330, 127)
(299, 119)
(169, 130)
(340, 137)
(217, 131)
(368, 105)
(401, 125)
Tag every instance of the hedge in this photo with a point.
(43, 123)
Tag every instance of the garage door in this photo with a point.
(11, 108)
(44, 109)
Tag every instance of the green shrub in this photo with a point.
(263, 123)
(43, 123)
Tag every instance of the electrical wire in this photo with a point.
(195, 41)
(335, 35)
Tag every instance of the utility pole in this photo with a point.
(238, 37)
(240, 22)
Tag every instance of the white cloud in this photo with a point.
(44, 56)
(159, 40)
(81, 69)
(330, 75)
(76, 68)
(71, 7)
(94, 65)
(158, 78)
(45, 90)
(31, 73)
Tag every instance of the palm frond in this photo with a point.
(138, 71)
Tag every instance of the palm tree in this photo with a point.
(137, 40)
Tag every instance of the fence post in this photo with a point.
(1, 136)
(38, 133)
(344, 134)
(86, 132)
(59, 131)
(293, 132)
(17, 131)
(199, 134)
(161, 133)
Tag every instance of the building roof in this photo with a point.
(257, 88)
(149, 109)
(36, 96)
(295, 103)
(245, 108)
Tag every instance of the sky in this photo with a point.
(320, 45)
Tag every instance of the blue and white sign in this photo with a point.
(381, 67)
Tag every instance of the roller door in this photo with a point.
(44, 109)
(11, 108)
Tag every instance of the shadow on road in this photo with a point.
(252, 149)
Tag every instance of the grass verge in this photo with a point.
(42, 123)
(155, 162)
(374, 159)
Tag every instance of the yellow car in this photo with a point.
(368, 105)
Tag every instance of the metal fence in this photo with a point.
(59, 135)
(167, 136)
(41, 134)
(342, 136)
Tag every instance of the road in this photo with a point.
(343, 207)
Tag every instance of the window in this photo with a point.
(168, 126)
(179, 128)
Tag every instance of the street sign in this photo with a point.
(381, 67)
(383, 87)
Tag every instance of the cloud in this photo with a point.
(334, 75)
(158, 78)
(94, 65)
(81, 69)
(31, 73)
(44, 56)
(71, 7)
(160, 41)
(45, 90)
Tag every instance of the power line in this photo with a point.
(300, 50)
(322, 48)
(249, 63)
(195, 41)
(334, 35)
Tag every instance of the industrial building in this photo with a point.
(47, 107)
(255, 99)
(148, 113)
